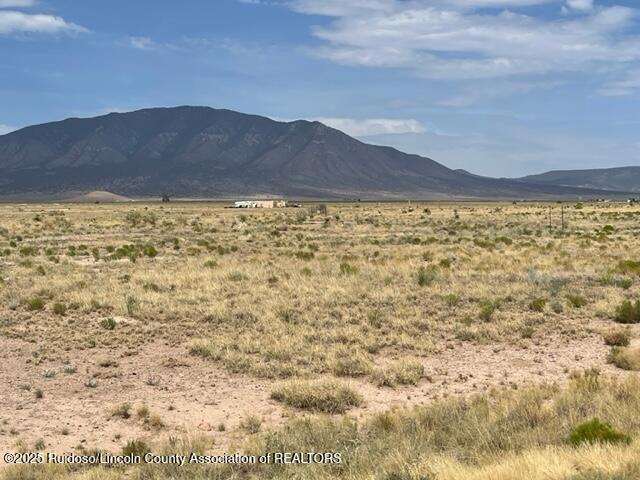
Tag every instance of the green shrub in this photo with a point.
(445, 263)
(59, 308)
(487, 309)
(452, 299)
(537, 304)
(595, 431)
(426, 276)
(35, 303)
(629, 267)
(348, 269)
(576, 300)
(108, 324)
(135, 447)
(302, 255)
(237, 277)
(28, 251)
(132, 305)
(628, 312)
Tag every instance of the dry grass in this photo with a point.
(324, 396)
(501, 435)
(364, 292)
(378, 280)
(627, 358)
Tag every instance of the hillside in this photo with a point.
(622, 178)
(204, 152)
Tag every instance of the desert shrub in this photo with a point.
(302, 255)
(132, 305)
(487, 308)
(445, 263)
(59, 308)
(151, 287)
(251, 424)
(375, 318)
(629, 267)
(108, 323)
(348, 362)
(237, 277)
(28, 251)
(628, 312)
(135, 447)
(557, 307)
(611, 280)
(426, 276)
(405, 372)
(537, 304)
(483, 243)
(135, 218)
(626, 358)
(617, 338)
(452, 299)
(505, 240)
(576, 300)
(122, 411)
(35, 303)
(149, 251)
(348, 269)
(325, 396)
(595, 431)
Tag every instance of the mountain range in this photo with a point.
(621, 178)
(201, 152)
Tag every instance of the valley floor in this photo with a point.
(153, 323)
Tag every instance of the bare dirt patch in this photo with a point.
(192, 395)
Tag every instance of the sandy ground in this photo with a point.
(191, 394)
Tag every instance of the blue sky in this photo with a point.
(498, 87)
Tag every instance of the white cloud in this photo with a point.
(583, 5)
(19, 22)
(17, 3)
(463, 40)
(481, 91)
(363, 127)
(4, 129)
(373, 126)
(143, 43)
(628, 85)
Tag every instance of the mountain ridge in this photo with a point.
(615, 178)
(205, 152)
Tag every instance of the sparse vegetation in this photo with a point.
(628, 312)
(617, 337)
(406, 372)
(409, 306)
(594, 431)
(626, 358)
(322, 396)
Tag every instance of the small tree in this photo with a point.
(165, 198)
